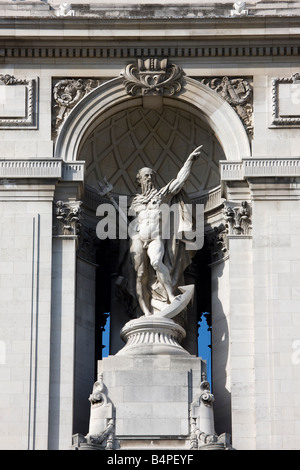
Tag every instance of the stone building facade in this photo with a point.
(90, 91)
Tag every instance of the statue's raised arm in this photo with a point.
(185, 171)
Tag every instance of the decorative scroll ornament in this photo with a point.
(152, 76)
(238, 93)
(238, 219)
(11, 80)
(203, 435)
(66, 94)
(101, 435)
(68, 216)
(102, 425)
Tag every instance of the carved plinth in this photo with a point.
(152, 335)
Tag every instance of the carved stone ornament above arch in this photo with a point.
(110, 97)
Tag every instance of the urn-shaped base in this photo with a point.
(152, 335)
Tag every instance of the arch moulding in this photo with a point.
(110, 96)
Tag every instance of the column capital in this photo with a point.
(67, 216)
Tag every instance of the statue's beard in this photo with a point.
(147, 187)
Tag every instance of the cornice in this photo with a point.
(260, 168)
(146, 27)
(47, 168)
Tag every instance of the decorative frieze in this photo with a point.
(67, 218)
(152, 76)
(51, 51)
(18, 102)
(238, 93)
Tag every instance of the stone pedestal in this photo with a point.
(155, 402)
(151, 395)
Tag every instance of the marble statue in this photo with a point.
(159, 263)
(152, 264)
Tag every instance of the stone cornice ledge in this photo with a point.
(41, 169)
(110, 25)
(260, 168)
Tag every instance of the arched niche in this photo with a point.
(111, 97)
(136, 137)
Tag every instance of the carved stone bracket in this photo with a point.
(238, 93)
(203, 435)
(102, 425)
(67, 218)
(152, 76)
(101, 435)
(20, 102)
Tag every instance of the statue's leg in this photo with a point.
(156, 253)
(138, 258)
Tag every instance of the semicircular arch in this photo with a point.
(86, 115)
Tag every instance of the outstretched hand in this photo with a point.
(196, 153)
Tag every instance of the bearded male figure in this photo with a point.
(158, 263)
